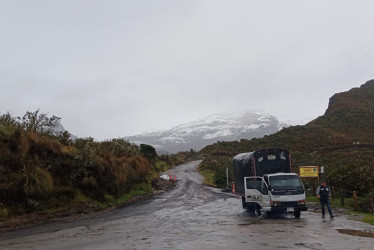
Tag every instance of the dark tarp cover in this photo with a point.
(258, 163)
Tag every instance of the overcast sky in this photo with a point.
(117, 68)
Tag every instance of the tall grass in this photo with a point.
(38, 182)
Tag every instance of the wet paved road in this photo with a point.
(190, 216)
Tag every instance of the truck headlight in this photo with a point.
(257, 197)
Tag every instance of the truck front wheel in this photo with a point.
(297, 214)
(251, 208)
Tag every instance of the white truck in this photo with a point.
(264, 177)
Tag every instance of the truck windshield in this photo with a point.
(285, 182)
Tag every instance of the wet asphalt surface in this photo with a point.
(190, 216)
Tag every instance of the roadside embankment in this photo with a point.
(84, 209)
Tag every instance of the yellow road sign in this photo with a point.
(308, 171)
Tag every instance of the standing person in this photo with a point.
(324, 194)
(253, 208)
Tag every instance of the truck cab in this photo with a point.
(275, 193)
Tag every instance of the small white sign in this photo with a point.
(271, 157)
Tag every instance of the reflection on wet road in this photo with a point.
(190, 216)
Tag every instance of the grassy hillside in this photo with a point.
(342, 140)
(45, 173)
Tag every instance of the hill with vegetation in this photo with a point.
(45, 173)
(342, 140)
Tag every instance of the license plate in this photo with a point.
(290, 209)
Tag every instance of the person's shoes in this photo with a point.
(332, 217)
(260, 216)
(323, 216)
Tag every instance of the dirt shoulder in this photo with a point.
(338, 211)
(316, 207)
(80, 211)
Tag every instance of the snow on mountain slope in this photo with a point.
(195, 135)
(59, 130)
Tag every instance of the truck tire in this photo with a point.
(250, 208)
(297, 214)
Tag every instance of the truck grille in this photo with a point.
(289, 204)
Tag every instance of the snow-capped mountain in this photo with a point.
(195, 135)
(59, 130)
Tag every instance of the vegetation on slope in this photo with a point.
(342, 140)
(44, 172)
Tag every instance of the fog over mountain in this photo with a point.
(195, 135)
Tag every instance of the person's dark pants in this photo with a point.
(325, 201)
(258, 209)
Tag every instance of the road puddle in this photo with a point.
(356, 232)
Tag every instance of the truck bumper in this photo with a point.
(288, 209)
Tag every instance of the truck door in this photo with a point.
(256, 190)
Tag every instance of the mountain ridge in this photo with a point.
(228, 126)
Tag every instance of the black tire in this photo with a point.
(297, 214)
(250, 208)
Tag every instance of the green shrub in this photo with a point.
(149, 153)
(64, 192)
(89, 183)
(109, 198)
(355, 178)
(218, 165)
(33, 204)
(220, 178)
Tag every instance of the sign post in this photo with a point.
(227, 176)
(321, 175)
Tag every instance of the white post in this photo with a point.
(227, 176)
